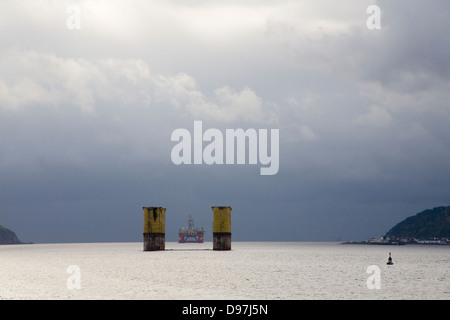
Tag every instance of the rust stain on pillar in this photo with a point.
(154, 228)
(221, 228)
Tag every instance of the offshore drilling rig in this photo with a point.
(191, 234)
(155, 226)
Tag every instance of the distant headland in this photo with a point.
(8, 237)
(431, 226)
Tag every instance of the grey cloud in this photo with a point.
(86, 118)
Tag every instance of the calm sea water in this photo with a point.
(251, 270)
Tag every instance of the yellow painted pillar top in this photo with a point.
(154, 220)
(222, 219)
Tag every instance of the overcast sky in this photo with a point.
(86, 115)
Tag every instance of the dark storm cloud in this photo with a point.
(86, 116)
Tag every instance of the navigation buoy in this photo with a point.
(390, 260)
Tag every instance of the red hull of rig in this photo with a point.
(184, 237)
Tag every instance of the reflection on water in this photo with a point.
(251, 270)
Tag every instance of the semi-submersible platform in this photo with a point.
(155, 229)
(191, 234)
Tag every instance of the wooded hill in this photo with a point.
(8, 237)
(431, 223)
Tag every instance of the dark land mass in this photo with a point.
(428, 224)
(431, 226)
(8, 237)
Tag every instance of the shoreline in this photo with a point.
(394, 243)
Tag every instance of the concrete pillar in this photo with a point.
(154, 228)
(221, 228)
